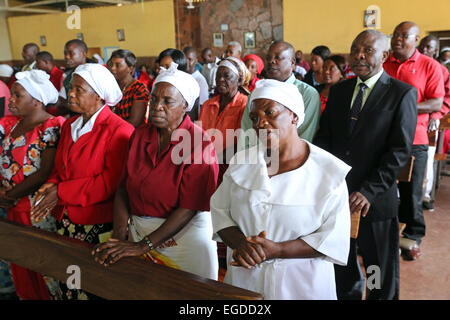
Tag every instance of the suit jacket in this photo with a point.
(380, 144)
(88, 171)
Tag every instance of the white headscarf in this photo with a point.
(6, 70)
(284, 93)
(38, 85)
(184, 82)
(227, 64)
(102, 81)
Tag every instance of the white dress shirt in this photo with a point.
(204, 94)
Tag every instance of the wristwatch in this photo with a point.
(148, 243)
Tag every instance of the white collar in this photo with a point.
(320, 175)
(77, 129)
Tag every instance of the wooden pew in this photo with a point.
(130, 278)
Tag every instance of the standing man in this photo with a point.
(45, 62)
(429, 47)
(191, 56)
(29, 52)
(279, 66)
(210, 66)
(369, 123)
(407, 64)
(234, 49)
(75, 54)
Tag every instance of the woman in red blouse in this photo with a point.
(28, 140)
(170, 175)
(88, 162)
(133, 106)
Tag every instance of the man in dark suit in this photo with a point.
(369, 122)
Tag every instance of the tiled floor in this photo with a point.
(429, 276)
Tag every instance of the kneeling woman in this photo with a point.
(88, 162)
(282, 208)
(170, 175)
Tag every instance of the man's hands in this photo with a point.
(359, 203)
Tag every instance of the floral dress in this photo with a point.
(19, 158)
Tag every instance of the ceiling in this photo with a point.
(48, 6)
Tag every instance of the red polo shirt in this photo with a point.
(446, 105)
(156, 184)
(56, 77)
(425, 75)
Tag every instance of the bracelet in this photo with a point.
(149, 243)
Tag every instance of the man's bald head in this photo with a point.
(404, 40)
(283, 45)
(280, 61)
(429, 46)
(379, 37)
(29, 52)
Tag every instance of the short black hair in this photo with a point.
(129, 57)
(321, 51)
(177, 56)
(188, 50)
(45, 55)
(79, 43)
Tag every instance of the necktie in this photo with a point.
(356, 108)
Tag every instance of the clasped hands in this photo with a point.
(254, 250)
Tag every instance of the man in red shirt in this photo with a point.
(407, 64)
(44, 61)
(429, 47)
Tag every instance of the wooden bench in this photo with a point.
(130, 278)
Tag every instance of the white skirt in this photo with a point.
(191, 249)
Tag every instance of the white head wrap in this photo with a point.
(6, 70)
(227, 64)
(184, 82)
(38, 85)
(102, 81)
(284, 93)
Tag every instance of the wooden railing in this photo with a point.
(130, 278)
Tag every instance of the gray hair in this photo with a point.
(236, 44)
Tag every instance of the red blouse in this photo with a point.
(156, 185)
(88, 171)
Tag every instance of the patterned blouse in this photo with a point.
(136, 92)
(21, 157)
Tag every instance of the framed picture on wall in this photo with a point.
(249, 40)
(218, 40)
(43, 41)
(120, 35)
(107, 51)
(80, 36)
(370, 18)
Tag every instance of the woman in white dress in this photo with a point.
(287, 220)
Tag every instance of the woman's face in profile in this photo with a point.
(316, 63)
(20, 102)
(272, 121)
(167, 106)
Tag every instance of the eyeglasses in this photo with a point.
(403, 36)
